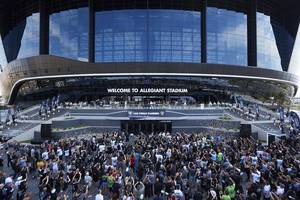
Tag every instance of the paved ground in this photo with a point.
(33, 182)
(32, 186)
(24, 129)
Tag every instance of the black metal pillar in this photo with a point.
(252, 33)
(44, 27)
(91, 31)
(203, 32)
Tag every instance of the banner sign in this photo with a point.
(144, 113)
(281, 113)
(240, 102)
(256, 109)
(294, 119)
(147, 90)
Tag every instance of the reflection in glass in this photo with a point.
(68, 34)
(147, 35)
(30, 39)
(294, 66)
(265, 93)
(23, 40)
(3, 60)
(226, 37)
(267, 51)
(295, 58)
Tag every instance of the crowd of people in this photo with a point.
(156, 166)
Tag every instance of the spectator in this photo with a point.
(156, 166)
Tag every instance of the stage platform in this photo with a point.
(145, 120)
(68, 122)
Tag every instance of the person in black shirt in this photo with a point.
(157, 187)
(148, 187)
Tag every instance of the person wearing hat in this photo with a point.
(8, 180)
(7, 188)
(21, 187)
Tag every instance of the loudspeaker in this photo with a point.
(45, 131)
(37, 139)
(37, 136)
(245, 130)
(271, 139)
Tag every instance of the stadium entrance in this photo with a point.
(147, 126)
(155, 92)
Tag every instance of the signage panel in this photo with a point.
(145, 113)
(147, 90)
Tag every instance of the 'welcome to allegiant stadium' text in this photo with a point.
(147, 90)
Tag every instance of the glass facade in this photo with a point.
(68, 34)
(30, 40)
(148, 35)
(294, 66)
(267, 50)
(23, 40)
(226, 37)
(201, 89)
(3, 60)
(153, 35)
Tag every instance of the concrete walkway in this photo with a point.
(26, 111)
(27, 135)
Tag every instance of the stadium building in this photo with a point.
(137, 52)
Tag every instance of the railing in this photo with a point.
(153, 106)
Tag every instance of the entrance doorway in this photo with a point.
(146, 126)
